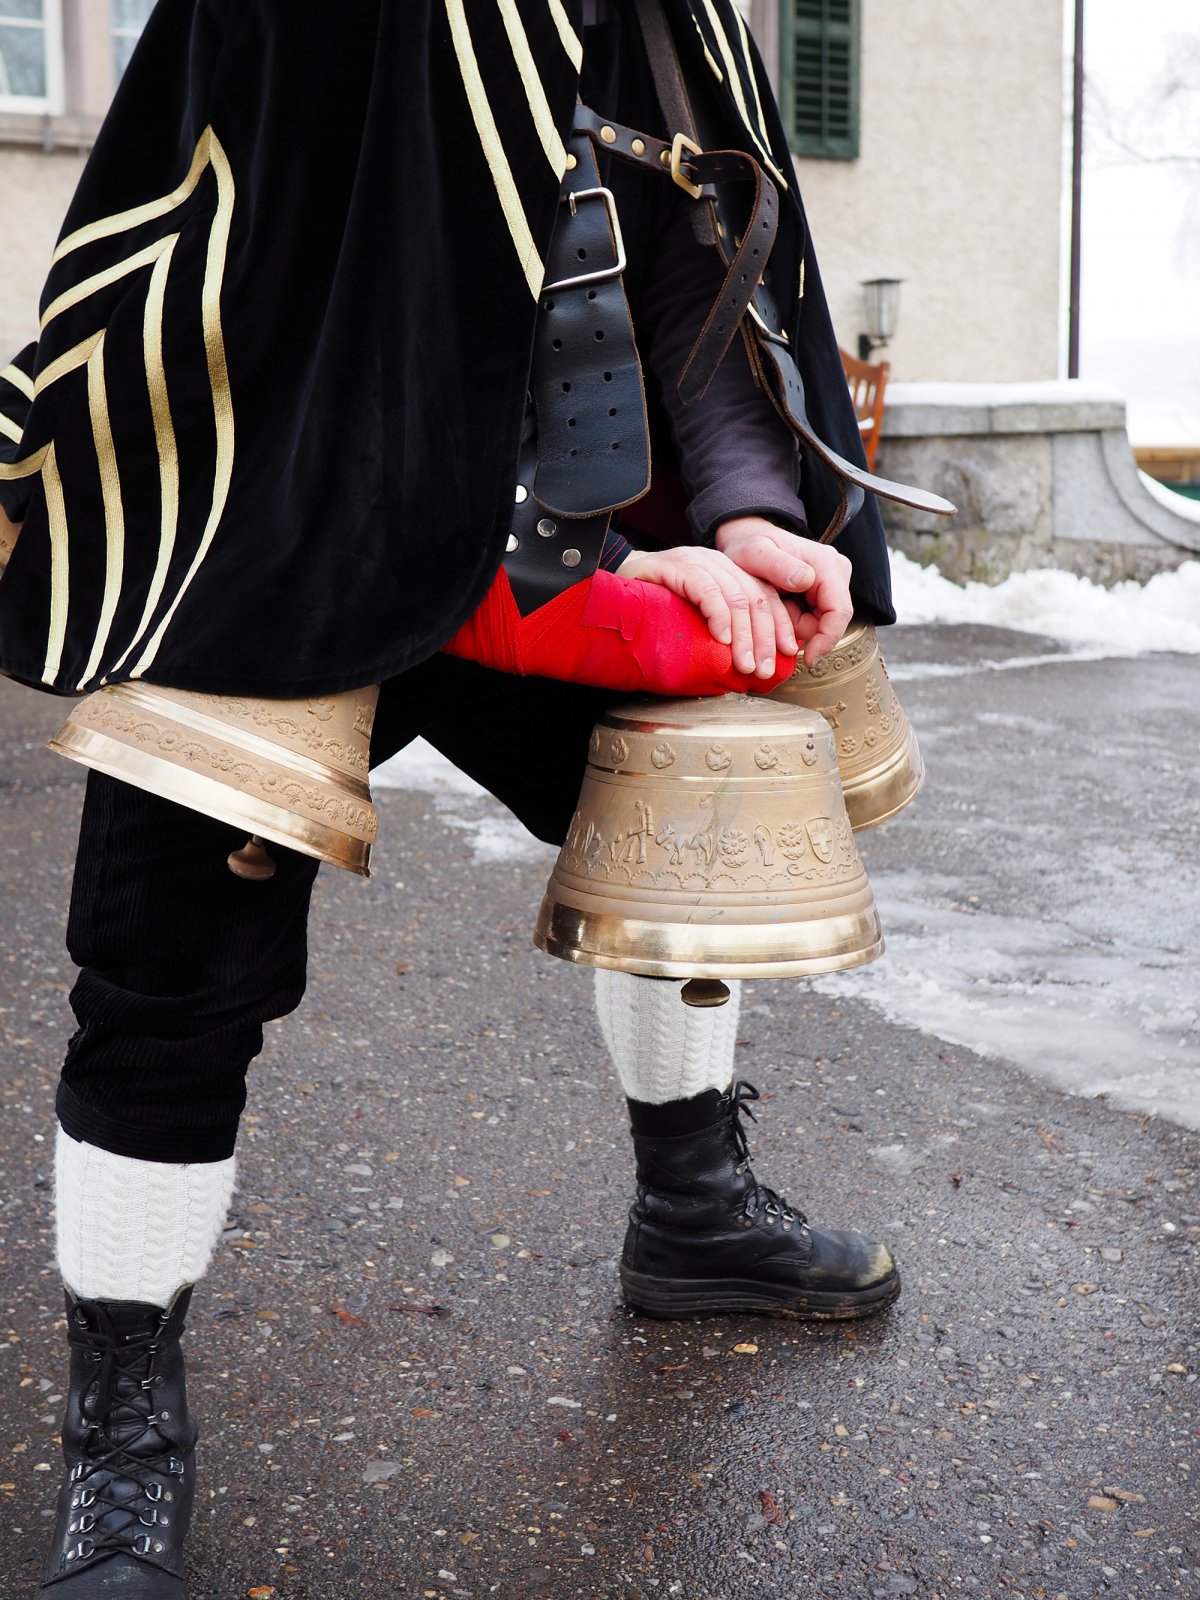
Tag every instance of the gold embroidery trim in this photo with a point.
(539, 106)
(10, 429)
(165, 440)
(744, 39)
(114, 510)
(26, 468)
(87, 287)
(20, 381)
(735, 84)
(77, 356)
(60, 565)
(218, 376)
(571, 41)
(122, 221)
(531, 262)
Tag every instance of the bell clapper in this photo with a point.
(704, 992)
(252, 862)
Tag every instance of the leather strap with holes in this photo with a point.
(701, 174)
(593, 436)
(548, 553)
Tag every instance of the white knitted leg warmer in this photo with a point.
(135, 1230)
(662, 1049)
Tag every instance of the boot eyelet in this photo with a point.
(87, 1497)
(82, 1550)
(141, 1546)
(154, 1491)
(148, 1520)
(175, 1465)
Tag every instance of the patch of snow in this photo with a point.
(1052, 391)
(422, 768)
(1181, 504)
(1127, 620)
(495, 834)
(1082, 1016)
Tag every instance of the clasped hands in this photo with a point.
(746, 590)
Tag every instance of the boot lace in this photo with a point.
(106, 1517)
(759, 1198)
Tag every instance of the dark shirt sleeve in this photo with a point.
(738, 457)
(16, 396)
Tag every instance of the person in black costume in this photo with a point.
(265, 445)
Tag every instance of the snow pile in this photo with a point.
(1127, 620)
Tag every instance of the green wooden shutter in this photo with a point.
(819, 76)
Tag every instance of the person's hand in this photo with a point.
(742, 610)
(794, 565)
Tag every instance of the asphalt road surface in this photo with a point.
(411, 1368)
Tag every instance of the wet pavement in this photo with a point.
(410, 1365)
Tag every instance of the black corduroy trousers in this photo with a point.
(182, 962)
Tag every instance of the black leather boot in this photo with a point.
(706, 1238)
(126, 1502)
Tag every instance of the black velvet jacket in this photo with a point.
(266, 440)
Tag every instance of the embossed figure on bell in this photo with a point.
(880, 761)
(293, 772)
(718, 863)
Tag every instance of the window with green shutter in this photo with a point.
(818, 78)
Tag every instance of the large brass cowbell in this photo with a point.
(877, 751)
(711, 841)
(293, 772)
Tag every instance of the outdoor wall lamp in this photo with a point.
(881, 303)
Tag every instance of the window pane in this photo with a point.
(22, 61)
(129, 18)
(129, 13)
(35, 10)
(122, 50)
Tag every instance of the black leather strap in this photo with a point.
(589, 402)
(547, 553)
(705, 175)
(776, 364)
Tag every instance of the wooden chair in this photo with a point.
(867, 382)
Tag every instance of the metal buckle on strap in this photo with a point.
(605, 274)
(757, 316)
(679, 144)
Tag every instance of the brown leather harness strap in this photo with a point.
(699, 173)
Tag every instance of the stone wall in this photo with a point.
(1043, 475)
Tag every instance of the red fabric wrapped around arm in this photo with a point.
(612, 633)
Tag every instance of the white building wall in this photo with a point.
(35, 190)
(957, 189)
